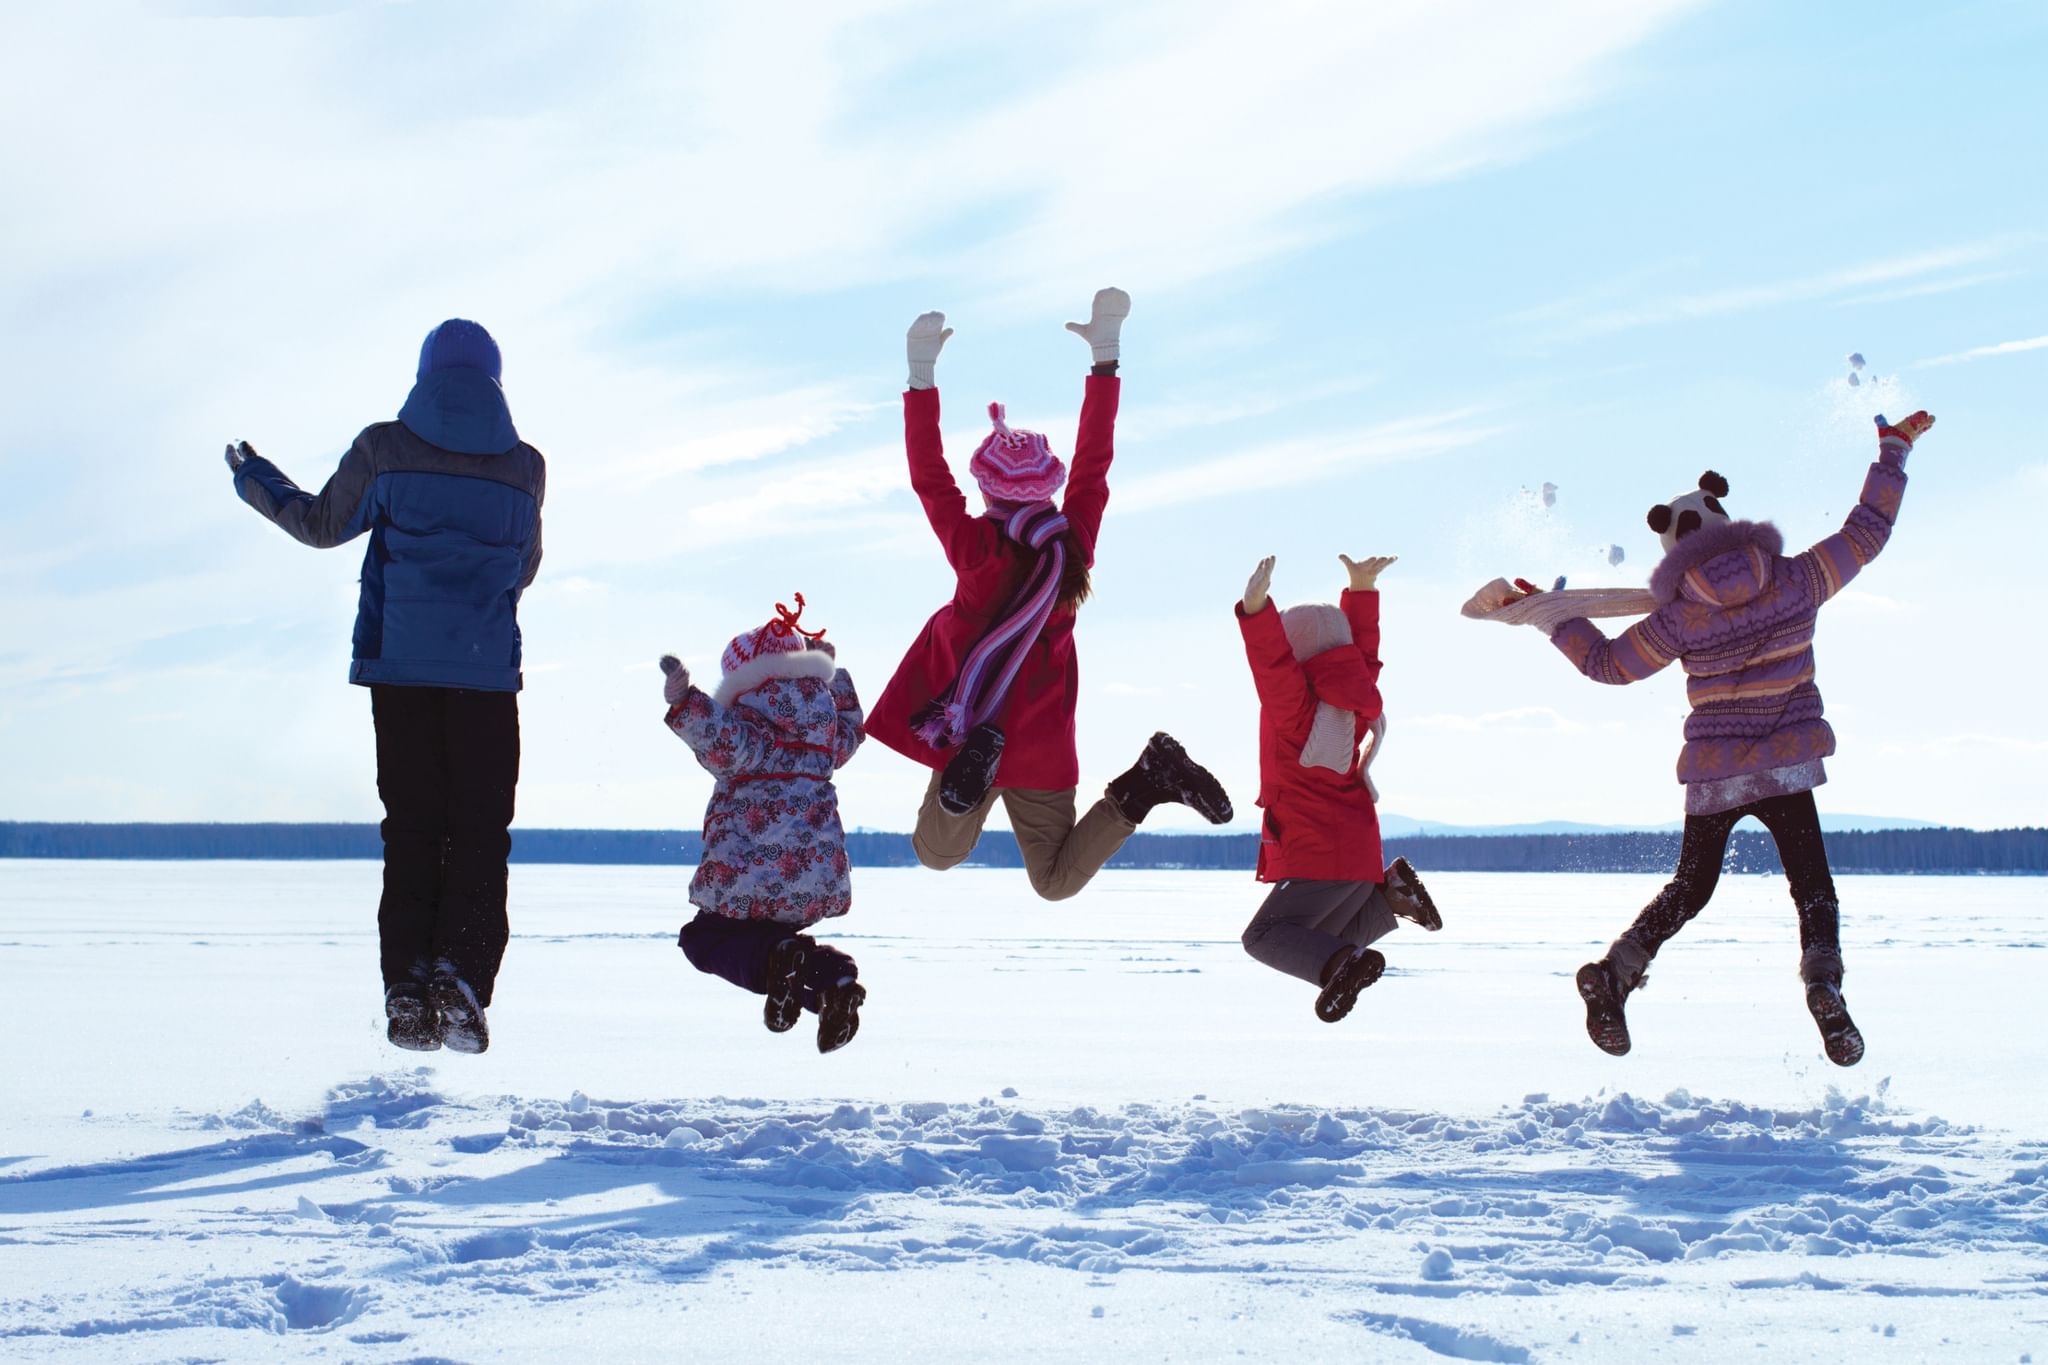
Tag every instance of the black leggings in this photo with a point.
(1794, 824)
(738, 949)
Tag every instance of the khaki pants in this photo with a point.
(1060, 853)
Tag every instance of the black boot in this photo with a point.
(411, 1022)
(1605, 987)
(1165, 773)
(965, 783)
(785, 998)
(839, 1016)
(1349, 971)
(1821, 969)
(463, 1028)
(1409, 898)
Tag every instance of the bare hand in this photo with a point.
(1259, 590)
(1365, 573)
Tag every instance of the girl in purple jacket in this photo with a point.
(1740, 614)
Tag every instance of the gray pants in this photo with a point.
(1304, 922)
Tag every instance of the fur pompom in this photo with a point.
(1660, 518)
(1714, 483)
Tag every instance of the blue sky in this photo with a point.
(1391, 265)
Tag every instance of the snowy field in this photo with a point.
(1094, 1129)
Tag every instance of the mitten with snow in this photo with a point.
(676, 685)
(1895, 440)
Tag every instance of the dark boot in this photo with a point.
(1349, 971)
(1165, 773)
(839, 1015)
(463, 1028)
(1409, 898)
(965, 783)
(411, 1022)
(785, 997)
(1821, 970)
(1605, 987)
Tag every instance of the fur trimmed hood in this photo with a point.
(767, 668)
(1747, 546)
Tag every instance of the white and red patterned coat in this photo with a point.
(773, 845)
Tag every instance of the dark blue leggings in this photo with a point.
(738, 949)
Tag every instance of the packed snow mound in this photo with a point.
(397, 1214)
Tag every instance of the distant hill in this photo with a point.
(2013, 851)
(1400, 826)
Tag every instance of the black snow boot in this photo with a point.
(1165, 773)
(1349, 971)
(1605, 987)
(1821, 970)
(965, 783)
(785, 998)
(410, 1021)
(1408, 898)
(463, 1028)
(839, 1015)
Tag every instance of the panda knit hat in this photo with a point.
(1686, 513)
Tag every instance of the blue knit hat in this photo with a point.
(459, 342)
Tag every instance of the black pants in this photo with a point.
(1794, 824)
(447, 765)
(737, 949)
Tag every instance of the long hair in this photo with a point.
(1074, 583)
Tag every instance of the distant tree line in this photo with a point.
(1933, 851)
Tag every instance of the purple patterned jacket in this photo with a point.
(1740, 615)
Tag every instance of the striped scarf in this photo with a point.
(978, 691)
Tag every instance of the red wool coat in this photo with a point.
(1038, 715)
(1319, 824)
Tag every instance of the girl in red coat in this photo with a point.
(1317, 670)
(986, 696)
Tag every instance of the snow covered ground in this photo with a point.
(1095, 1129)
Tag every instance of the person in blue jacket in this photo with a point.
(450, 498)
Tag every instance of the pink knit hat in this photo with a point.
(1015, 466)
(780, 636)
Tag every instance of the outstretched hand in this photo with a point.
(1365, 573)
(922, 343)
(1259, 590)
(1105, 323)
(1910, 428)
(676, 682)
(238, 453)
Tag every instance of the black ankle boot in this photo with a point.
(965, 783)
(1165, 773)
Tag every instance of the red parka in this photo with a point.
(1319, 824)
(1038, 715)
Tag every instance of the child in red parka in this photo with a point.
(1317, 671)
(986, 695)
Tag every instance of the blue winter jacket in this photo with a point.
(450, 497)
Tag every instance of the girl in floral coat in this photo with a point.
(783, 719)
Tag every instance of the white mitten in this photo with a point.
(923, 342)
(676, 685)
(1105, 323)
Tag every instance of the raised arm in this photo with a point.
(1095, 441)
(1833, 562)
(1275, 673)
(930, 477)
(339, 513)
(724, 738)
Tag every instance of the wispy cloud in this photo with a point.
(1980, 352)
(1585, 319)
